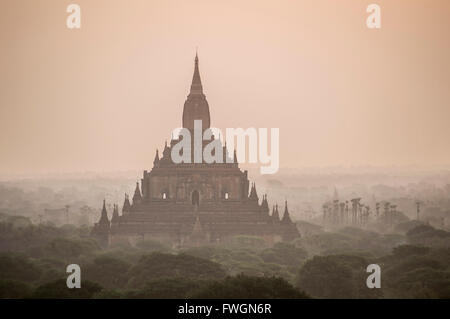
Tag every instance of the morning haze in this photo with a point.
(99, 201)
(105, 96)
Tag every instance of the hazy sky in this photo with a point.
(106, 96)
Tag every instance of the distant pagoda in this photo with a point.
(194, 203)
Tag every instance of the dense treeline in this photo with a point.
(415, 263)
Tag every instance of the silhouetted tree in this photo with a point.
(248, 287)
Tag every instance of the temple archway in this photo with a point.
(195, 198)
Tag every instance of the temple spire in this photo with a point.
(253, 193)
(156, 160)
(115, 216)
(275, 214)
(196, 107)
(137, 195)
(126, 204)
(166, 152)
(196, 86)
(286, 217)
(104, 216)
(265, 204)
